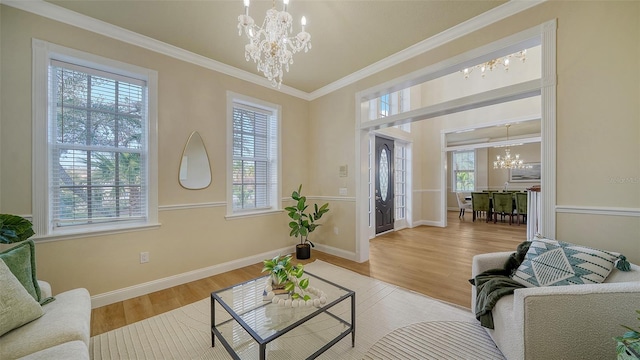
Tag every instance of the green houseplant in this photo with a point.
(629, 343)
(286, 276)
(302, 223)
(14, 228)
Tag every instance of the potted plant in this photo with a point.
(302, 224)
(286, 277)
(14, 229)
(629, 343)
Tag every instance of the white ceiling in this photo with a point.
(346, 36)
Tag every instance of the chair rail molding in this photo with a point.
(598, 210)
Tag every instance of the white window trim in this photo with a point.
(406, 221)
(277, 201)
(43, 52)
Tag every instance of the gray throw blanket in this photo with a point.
(493, 284)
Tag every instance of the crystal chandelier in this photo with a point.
(271, 46)
(506, 161)
(492, 64)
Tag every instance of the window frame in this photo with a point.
(396, 102)
(454, 171)
(401, 181)
(275, 200)
(43, 52)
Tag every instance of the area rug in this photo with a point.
(381, 309)
(436, 340)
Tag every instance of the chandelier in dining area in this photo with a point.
(492, 64)
(271, 46)
(507, 161)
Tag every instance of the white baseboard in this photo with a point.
(175, 280)
(337, 252)
(428, 223)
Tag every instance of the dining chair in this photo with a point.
(503, 205)
(479, 204)
(521, 206)
(462, 204)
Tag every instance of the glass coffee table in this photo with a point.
(253, 327)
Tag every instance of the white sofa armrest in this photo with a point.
(574, 322)
(484, 262)
(45, 289)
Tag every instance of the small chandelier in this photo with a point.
(506, 161)
(270, 46)
(492, 64)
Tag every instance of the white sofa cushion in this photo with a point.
(17, 306)
(68, 318)
(76, 350)
(505, 327)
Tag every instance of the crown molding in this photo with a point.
(57, 13)
(485, 19)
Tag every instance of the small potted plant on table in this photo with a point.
(302, 224)
(286, 279)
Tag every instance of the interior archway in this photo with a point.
(544, 35)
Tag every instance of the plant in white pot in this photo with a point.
(302, 224)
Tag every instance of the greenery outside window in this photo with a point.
(463, 167)
(94, 146)
(255, 147)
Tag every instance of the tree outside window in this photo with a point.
(463, 165)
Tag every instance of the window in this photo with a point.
(463, 165)
(385, 105)
(254, 156)
(391, 104)
(401, 180)
(94, 150)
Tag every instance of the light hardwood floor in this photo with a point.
(430, 260)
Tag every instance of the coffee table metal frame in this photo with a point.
(263, 342)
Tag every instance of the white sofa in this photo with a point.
(63, 331)
(562, 322)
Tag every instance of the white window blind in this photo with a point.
(255, 158)
(97, 146)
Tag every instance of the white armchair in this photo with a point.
(562, 322)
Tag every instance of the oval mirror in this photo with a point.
(195, 172)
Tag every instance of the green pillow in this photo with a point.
(17, 307)
(21, 260)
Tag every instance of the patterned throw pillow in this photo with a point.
(552, 262)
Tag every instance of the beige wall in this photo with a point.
(598, 138)
(190, 98)
(598, 115)
(530, 153)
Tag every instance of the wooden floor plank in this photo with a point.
(138, 308)
(429, 260)
(107, 318)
